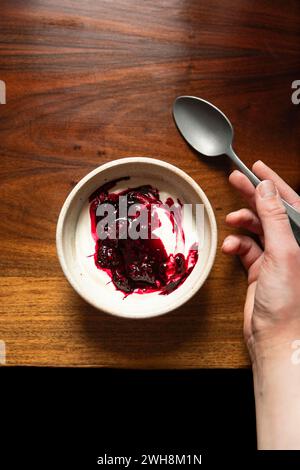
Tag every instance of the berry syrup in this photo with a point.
(140, 265)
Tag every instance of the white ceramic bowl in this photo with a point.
(75, 243)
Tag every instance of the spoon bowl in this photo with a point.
(203, 125)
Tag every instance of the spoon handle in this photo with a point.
(293, 215)
(241, 166)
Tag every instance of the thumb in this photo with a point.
(275, 222)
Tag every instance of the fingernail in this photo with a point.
(226, 242)
(267, 189)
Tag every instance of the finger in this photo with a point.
(245, 218)
(266, 173)
(243, 246)
(240, 182)
(248, 310)
(278, 234)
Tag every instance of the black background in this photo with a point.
(70, 417)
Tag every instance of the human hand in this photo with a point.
(272, 307)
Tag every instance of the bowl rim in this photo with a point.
(123, 161)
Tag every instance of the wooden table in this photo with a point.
(89, 81)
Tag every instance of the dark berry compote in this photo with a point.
(140, 265)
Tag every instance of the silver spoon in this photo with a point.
(210, 132)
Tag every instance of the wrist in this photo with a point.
(266, 351)
(275, 344)
(276, 374)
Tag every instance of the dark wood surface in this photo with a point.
(89, 81)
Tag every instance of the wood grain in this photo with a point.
(90, 81)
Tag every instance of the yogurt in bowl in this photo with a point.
(136, 237)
